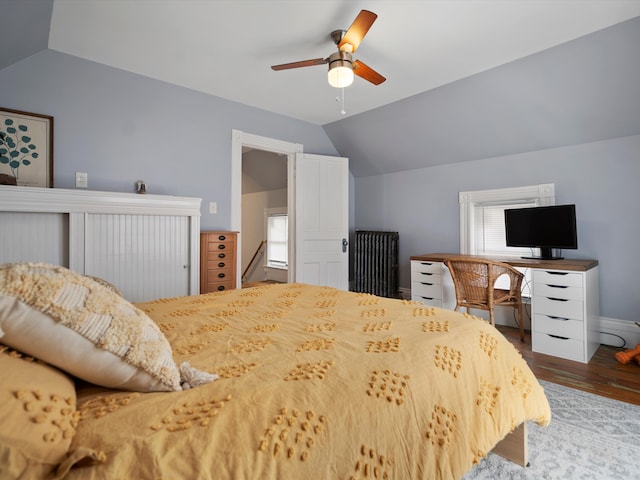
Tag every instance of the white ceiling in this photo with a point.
(226, 47)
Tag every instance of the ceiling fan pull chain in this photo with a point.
(343, 111)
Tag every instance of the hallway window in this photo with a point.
(277, 240)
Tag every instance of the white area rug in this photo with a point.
(590, 437)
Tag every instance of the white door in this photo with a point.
(322, 220)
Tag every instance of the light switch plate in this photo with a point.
(213, 207)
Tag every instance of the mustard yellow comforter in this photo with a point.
(315, 383)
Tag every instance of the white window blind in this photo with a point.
(490, 235)
(277, 241)
(490, 239)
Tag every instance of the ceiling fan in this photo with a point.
(342, 67)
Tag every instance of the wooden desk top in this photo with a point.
(578, 265)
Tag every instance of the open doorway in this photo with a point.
(274, 151)
(318, 210)
(264, 217)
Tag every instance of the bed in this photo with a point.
(271, 382)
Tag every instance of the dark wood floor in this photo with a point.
(603, 375)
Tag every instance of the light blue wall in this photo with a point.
(120, 127)
(601, 178)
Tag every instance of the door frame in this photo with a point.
(240, 139)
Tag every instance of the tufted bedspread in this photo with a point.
(315, 383)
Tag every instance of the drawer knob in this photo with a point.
(221, 264)
(221, 255)
(222, 237)
(220, 287)
(221, 275)
(222, 247)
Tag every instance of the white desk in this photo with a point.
(565, 305)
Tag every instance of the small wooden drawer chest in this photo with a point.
(217, 261)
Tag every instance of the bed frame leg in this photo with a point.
(514, 446)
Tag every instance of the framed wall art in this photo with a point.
(26, 148)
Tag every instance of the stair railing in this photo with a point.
(259, 250)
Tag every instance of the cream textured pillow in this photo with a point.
(84, 328)
(38, 416)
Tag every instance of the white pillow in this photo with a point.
(80, 326)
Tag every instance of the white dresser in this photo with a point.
(565, 301)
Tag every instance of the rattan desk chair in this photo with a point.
(474, 280)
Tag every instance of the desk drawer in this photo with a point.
(425, 289)
(568, 348)
(565, 279)
(558, 291)
(432, 302)
(558, 326)
(426, 271)
(558, 307)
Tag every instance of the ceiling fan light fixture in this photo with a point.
(340, 70)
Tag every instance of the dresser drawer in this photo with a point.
(558, 326)
(569, 348)
(565, 279)
(226, 261)
(220, 236)
(558, 308)
(219, 274)
(220, 286)
(558, 291)
(220, 246)
(225, 256)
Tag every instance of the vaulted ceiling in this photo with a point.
(428, 50)
(226, 47)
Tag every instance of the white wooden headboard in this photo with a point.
(146, 245)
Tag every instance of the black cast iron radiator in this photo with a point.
(376, 263)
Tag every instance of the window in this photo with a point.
(277, 225)
(489, 230)
(482, 217)
(482, 220)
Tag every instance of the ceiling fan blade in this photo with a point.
(357, 31)
(303, 63)
(368, 73)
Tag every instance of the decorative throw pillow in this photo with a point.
(38, 416)
(83, 327)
